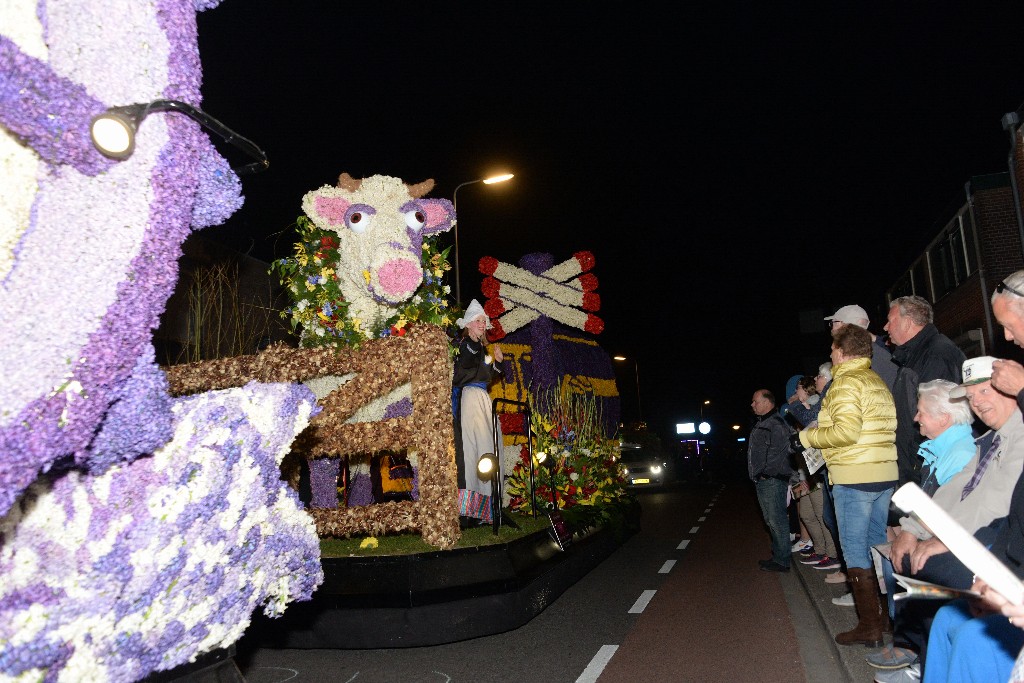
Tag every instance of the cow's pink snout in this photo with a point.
(399, 278)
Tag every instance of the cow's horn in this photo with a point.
(419, 189)
(347, 182)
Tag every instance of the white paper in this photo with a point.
(814, 459)
(966, 547)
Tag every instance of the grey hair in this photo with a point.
(1013, 281)
(825, 370)
(935, 399)
(916, 308)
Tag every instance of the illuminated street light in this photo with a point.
(455, 226)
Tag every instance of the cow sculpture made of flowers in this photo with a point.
(137, 530)
(380, 222)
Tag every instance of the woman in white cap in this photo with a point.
(471, 408)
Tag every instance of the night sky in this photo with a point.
(731, 166)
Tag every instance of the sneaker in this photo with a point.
(828, 563)
(774, 567)
(808, 550)
(835, 577)
(813, 558)
(801, 545)
(908, 674)
(844, 600)
(891, 658)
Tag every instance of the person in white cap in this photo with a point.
(881, 357)
(922, 354)
(974, 637)
(471, 408)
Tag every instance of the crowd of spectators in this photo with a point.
(890, 410)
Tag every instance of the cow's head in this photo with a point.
(380, 222)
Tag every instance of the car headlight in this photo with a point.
(656, 469)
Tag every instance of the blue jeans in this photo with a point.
(964, 649)
(771, 494)
(862, 516)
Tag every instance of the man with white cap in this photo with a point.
(977, 497)
(922, 354)
(881, 357)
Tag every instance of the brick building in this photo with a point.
(977, 247)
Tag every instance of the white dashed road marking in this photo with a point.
(641, 603)
(667, 567)
(682, 545)
(597, 664)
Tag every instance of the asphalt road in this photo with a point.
(681, 600)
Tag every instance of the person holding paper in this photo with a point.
(856, 434)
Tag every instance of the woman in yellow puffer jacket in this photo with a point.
(856, 433)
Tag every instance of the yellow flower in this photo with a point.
(366, 276)
(326, 272)
(302, 259)
(310, 286)
(438, 272)
(369, 542)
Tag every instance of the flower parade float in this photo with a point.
(139, 531)
(375, 347)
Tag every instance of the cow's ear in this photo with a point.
(326, 207)
(440, 215)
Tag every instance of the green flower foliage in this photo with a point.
(321, 312)
(581, 465)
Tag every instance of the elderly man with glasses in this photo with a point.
(1008, 308)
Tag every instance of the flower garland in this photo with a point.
(321, 311)
(581, 465)
(157, 561)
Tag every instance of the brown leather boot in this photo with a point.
(868, 630)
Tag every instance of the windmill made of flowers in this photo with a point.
(540, 310)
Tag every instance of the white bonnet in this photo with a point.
(474, 311)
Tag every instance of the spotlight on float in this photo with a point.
(540, 456)
(113, 131)
(487, 465)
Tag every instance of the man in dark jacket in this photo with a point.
(922, 354)
(768, 452)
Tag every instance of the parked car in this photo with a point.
(644, 468)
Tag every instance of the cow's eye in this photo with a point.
(358, 222)
(415, 219)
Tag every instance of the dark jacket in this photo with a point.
(929, 355)
(769, 447)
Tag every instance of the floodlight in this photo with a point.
(113, 131)
(487, 465)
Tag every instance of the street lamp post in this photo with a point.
(455, 226)
(636, 368)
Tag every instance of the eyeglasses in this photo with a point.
(1003, 287)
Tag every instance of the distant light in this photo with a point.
(741, 439)
(685, 428)
(704, 428)
(619, 357)
(735, 427)
(498, 179)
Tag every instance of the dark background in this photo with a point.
(732, 166)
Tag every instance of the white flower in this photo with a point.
(573, 476)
